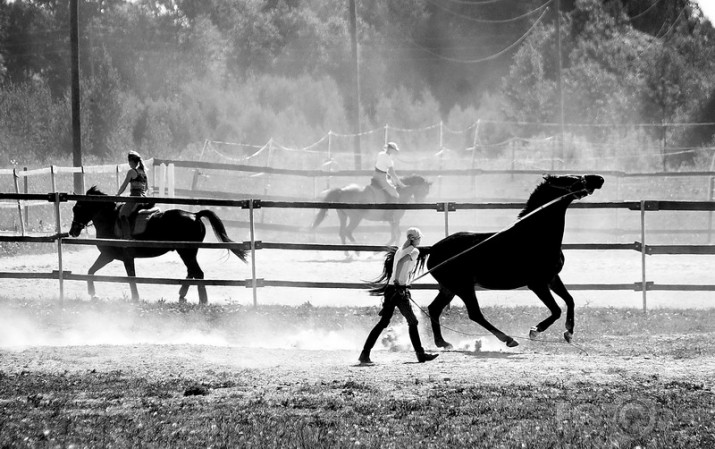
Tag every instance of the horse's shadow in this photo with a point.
(484, 354)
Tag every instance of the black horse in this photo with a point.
(170, 225)
(526, 254)
(416, 189)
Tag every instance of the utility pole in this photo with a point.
(76, 128)
(557, 8)
(355, 107)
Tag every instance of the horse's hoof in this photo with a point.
(182, 300)
(443, 344)
(568, 336)
(512, 343)
(533, 333)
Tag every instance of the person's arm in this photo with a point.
(394, 177)
(127, 179)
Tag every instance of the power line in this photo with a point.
(474, 19)
(486, 58)
(640, 14)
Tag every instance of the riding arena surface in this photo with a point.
(302, 370)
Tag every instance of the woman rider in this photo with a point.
(137, 182)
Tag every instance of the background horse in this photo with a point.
(170, 225)
(526, 254)
(416, 189)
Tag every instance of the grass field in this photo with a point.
(119, 374)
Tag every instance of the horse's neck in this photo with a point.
(548, 220)
(104, 222)
(405, 194)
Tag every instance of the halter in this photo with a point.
(570, 188)
(81, 225)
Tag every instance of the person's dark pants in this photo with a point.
(395, 296)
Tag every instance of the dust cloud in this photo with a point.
(22, 328)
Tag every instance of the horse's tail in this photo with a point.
(332, 196)
(220, 231)
(379, 285)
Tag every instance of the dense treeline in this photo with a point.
(160, 76)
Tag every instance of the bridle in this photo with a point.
(571, 188)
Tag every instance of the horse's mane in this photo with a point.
(536, 199)
(94, 190)
(414, 180)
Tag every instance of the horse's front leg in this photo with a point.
(131, 272)
(559, 288)
(542, 291)
(394, 233)
(98, 264)
(435, 309)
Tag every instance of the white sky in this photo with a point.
(708, 7)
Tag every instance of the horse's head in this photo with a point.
(416, 187)
(84, 211)
(569, 187)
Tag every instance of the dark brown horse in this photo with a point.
(526, 254)
(416, 189)
(171, 225)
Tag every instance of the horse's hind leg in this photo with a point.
(542, 291)
(193, 271)
(131, 272)
(443, 298)
(559, 288)
(475, 314)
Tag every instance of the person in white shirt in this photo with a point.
(385, 168)
(397, 294)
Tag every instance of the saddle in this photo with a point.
(138, 220)
(380, 194)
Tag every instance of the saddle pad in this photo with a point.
(142, 218)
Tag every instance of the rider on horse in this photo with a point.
(384, 169)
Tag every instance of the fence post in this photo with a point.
(27, 209)
(643, 254)
(53, 181)
(446, 219)
(711, 191)
(84, 188)
(19, 202)
(58, 229)
(117, 178)
(170, 181)
(473, 176)
(162, 178)
(251, 224)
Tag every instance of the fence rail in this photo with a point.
(252, 205)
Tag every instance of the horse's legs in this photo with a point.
(342, 216)
(542, 291)
(131, 272)
(354, 222)
(560, 289)
(435, 309)
(475, 314)
(394, 232)
(98, 264)
(193, 271)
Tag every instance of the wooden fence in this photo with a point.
(253, 245)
